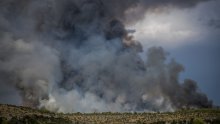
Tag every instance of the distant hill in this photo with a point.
(10, 114)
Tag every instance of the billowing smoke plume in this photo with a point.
(77, 55)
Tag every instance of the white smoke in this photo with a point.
(77, 56)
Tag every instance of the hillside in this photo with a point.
(10, 114)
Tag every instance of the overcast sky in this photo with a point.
(192, 37)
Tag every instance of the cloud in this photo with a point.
(173, 27)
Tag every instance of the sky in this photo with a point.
(192, 37)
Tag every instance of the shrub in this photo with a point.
(3, 120)
(198, 121)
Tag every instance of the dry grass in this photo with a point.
(32, 116)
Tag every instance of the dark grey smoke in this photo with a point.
(77, 55)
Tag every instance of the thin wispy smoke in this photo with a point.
(76, 55)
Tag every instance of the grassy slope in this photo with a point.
(10, 114)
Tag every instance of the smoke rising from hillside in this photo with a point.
(77, 55)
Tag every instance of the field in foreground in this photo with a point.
(10, 114)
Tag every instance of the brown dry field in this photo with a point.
(10, 114)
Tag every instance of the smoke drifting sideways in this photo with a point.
(77, 56)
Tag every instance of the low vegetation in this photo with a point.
(10, 114)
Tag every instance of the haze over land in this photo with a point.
(83, 55)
